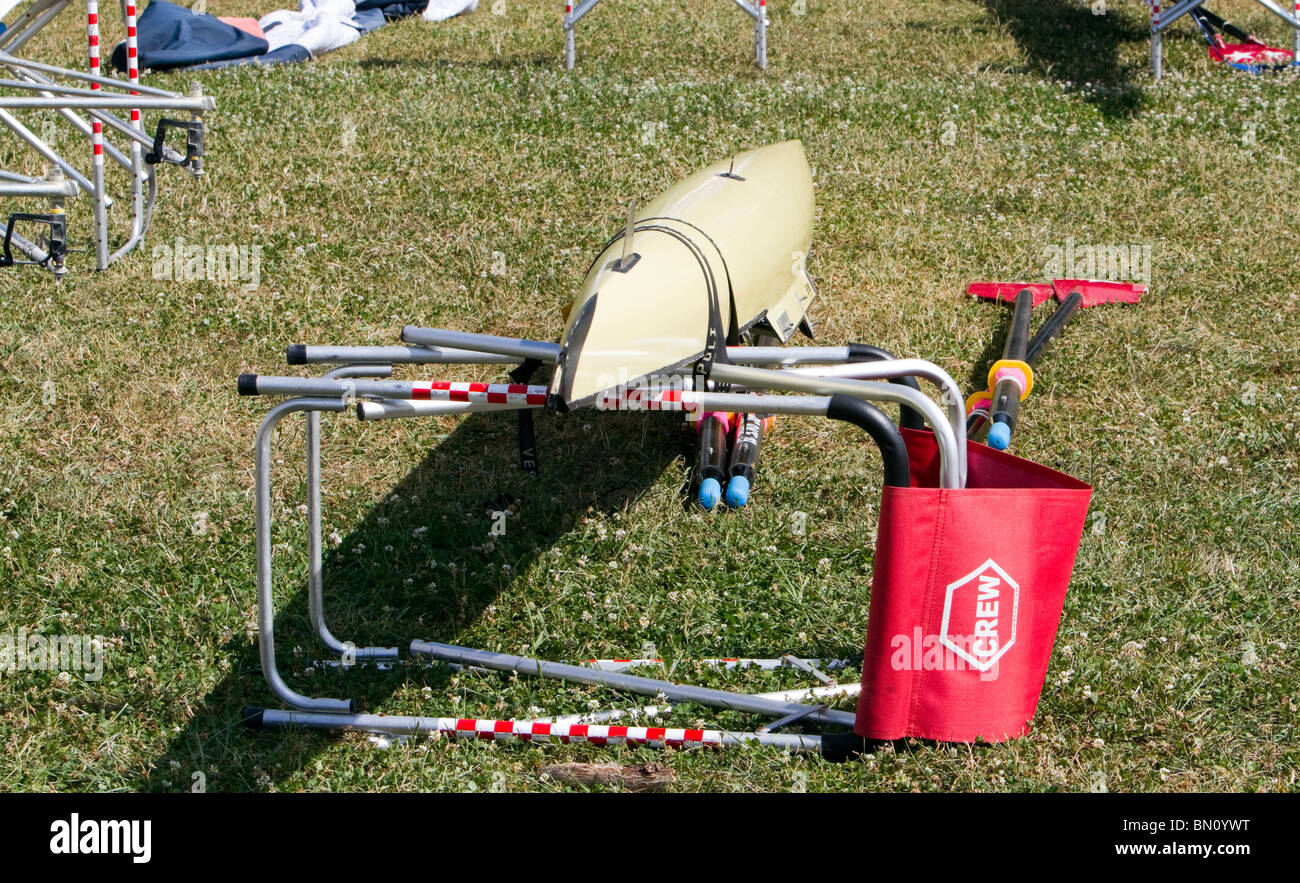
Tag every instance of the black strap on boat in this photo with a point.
(527, 435)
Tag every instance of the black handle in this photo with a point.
(882, 431)
(1005, 408)
(865, 352)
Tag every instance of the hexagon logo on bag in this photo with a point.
(979, 615)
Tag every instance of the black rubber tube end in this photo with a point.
(253, 717)
(296, 354)
(248, 384)
(865, 352)
(862, 352)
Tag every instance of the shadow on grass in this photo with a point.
(1065, 41)
(399, 586)
(515, 61)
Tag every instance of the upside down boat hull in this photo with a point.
(718, 254)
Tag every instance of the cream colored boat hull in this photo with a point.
(714, 256)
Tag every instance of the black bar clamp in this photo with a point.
(193, 156)
(57, 241)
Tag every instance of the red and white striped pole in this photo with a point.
(133, 77)
(97, 141)
(532, 731)
(1295, 47)
(488, 393)
(1156, 66)
(569, 51)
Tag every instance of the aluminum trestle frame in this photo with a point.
(839, 385)
(1164, 14)
(755, 9)
(96, 106)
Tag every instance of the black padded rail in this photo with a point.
(882, 431)
(865, 352)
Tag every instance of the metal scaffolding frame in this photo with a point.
(94, 106)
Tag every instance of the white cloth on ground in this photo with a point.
(317, 25)
(438, 10)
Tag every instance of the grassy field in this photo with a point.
(456, 175)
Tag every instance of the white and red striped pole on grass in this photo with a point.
(1155, 39)
(532, 731)
(133, 77)
(97, 141)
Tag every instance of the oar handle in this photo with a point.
(1011, 378)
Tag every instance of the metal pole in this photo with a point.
(486, 343)
(265, 599)
(631, 683)
(137, 162)
(430, 390)
(570, 54)
(786, 355)
(40, 189)
(194, 104)
(613, 714)
(96, 141)
(952, 396)
(302, 354)
(765, 378)
(348, 651)
(10, 60)
(1155, 40)
(45, 150)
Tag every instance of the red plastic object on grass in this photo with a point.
(968, 590)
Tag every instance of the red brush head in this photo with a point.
(1096, 293)
(1007, 291)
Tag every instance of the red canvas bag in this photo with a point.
(966, 596)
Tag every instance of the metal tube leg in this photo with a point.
(570, 55)
(315, 594)
(265, 600)
(760, 35)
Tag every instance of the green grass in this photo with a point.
(952, 141)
